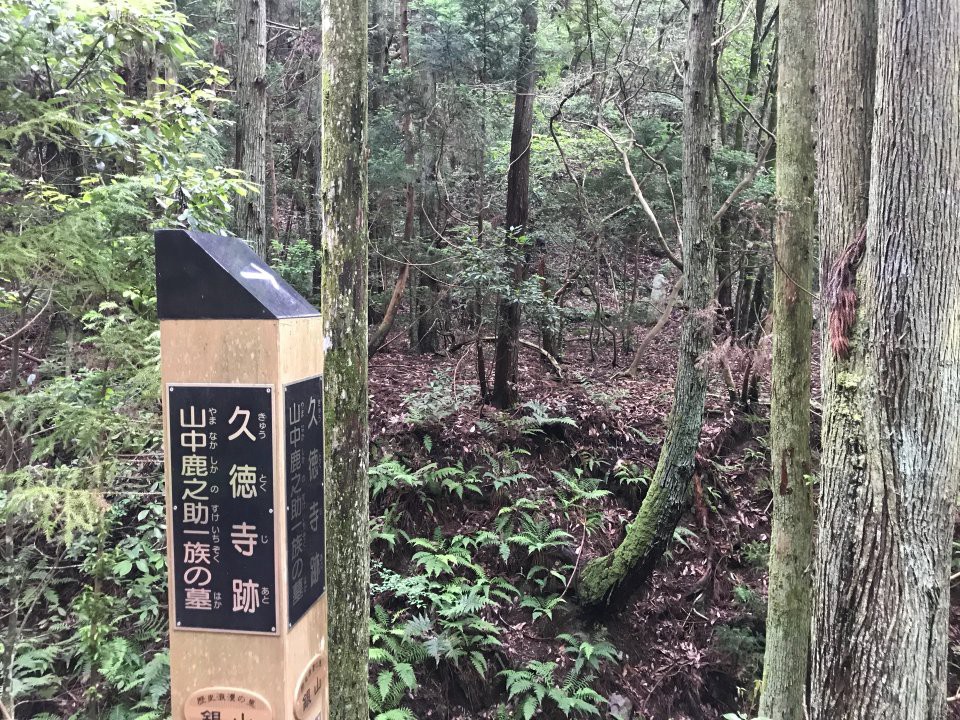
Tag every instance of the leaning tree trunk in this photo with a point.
(343, 203)
(518, 207)
(891, 452)
(618, 573)
(788, 615)
(251, 137)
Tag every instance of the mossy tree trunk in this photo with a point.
(518, 209)
(343, 204)
(251, 129)
(891, 453)
(788, 615)
(618, 574)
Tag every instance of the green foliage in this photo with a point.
(438, 401)
(295, 263)
(742, 646)
(89, 165)
(449, 598)
(756, 553)
(540, 685)
(393, 654)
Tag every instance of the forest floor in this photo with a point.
(690, 641)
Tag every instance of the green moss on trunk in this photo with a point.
(343, 204)
(788, 615)
(618, 574)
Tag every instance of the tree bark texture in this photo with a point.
(343, 204)
(251, 129)
(619, 573)
(518, 209)
(891, 453)
(788, 603)
(847, 45)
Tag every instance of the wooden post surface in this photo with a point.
(241, 370)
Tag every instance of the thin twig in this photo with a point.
(639, 193)
(745, 183)
(36, 317)
(573, 574)
(746, 109)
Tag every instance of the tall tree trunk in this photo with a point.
(504, 391)
(343, 203)
(847, 45)
(753, 71)
(428, 315)
(619, 573)
(251, 137)
(788, 602)
(891, 453)
(409, 194)
(270, 189)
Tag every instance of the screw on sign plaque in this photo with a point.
(241, 360)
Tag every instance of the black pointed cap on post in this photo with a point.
(212, 277)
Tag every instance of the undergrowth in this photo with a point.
(446, 596)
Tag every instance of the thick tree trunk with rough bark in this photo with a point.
(891, 456)
(619, 573)
(343, 204)
(518, 208)
(788, 604)
(251, 136)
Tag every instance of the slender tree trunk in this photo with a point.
(270, 187)
(504, 390)
(753, 71)
(891, 452)
(619, 573)
(390, 314)
(343, 203)
(409, 194)
(788, 602)
(250, 149)
(428, 315)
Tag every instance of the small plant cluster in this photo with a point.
(441, 597)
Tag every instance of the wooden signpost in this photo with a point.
(241, 368)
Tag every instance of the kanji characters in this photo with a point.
(243, 481)
(244, 538)
(243, 429)
(246, 596)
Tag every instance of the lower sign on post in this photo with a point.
(311, 692)
(222, 703)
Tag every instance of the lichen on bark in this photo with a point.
(343, 206)
(783, 695)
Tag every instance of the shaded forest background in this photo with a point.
(122, 117)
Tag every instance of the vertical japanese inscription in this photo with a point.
(221, 500)
(303, 429)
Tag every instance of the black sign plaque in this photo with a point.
(221, 499)
(303, 444)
